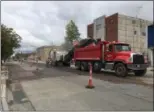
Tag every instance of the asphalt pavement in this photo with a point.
(36, 87)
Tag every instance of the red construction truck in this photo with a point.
(115, 56)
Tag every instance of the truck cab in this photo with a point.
(122, 59)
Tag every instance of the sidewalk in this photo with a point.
(0, 106)
(3, 88)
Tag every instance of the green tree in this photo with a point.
(72, 33)
(10, 40)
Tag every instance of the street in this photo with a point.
(35, 87)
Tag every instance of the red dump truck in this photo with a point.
(115, 56)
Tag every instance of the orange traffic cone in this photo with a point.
(90, 82)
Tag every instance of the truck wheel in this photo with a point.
(78, 65)
(59, 63)
(55, 63)
(121, 70)
(140, 72)
(97, 67)
(47, 64)
(84, 66)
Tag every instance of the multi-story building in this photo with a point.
(43, 52)
(90, 29)
(99, 28)
(133, 31)
(118, 27)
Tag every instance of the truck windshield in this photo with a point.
(122, 47)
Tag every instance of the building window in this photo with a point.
(133, 21)
(141, 24)
(143, 34)
(135, 32)
(111, 21)
(98, 27)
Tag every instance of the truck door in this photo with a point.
(109, 53)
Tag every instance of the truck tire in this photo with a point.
(47, 64)
(97, 67)
(59, 63)
(121, 70)
(54, 63)
(78, 65)
(140, 72)
(84, 66)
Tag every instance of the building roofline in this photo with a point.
(90, 24)
(122, 15)
(133, 17)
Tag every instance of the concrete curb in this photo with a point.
(4, 98)
(4, 77)
(4, 104)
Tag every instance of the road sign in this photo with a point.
(151, 36)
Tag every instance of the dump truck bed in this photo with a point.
(91, 52)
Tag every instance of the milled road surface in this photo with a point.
(64, 89)
(146, 80)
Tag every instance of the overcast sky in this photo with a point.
(43, 22)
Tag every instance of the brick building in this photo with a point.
(90, 29)
(118, 27)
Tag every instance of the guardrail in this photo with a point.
(4, 78)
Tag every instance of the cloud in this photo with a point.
(43, 22)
